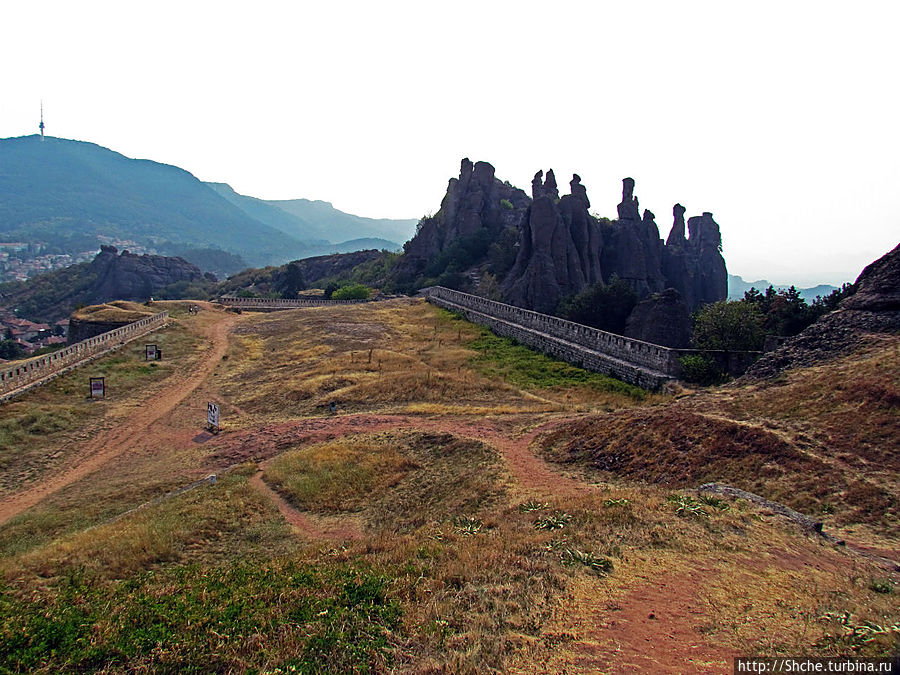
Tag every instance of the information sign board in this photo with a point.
(212, 414)
(98, 387)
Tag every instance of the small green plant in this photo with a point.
(532, 505)
(506, 205)
(714, 502)
(467, 526)
(556, 521)
(687, 506)
(827, 508)
(881, 586)
(594, 563)
(856, 635)
(616, 502)
(556, 544)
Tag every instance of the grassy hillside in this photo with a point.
(415, 529)
(51, 189)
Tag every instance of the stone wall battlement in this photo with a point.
(635, 361)
(279, 303)
(15, 375)
(640, 363)
(645, 354)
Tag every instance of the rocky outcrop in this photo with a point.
(476, 205)
(877, 289)
(326, 266)
(874, 308)
(662, 319)
(634, 251)
(695, 266)
(136, 277)
(559, 247)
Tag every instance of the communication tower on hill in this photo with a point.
(42, 120)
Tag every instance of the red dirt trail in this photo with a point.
(109, 444)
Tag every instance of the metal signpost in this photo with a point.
(212, 416)
(98, 387)
(151, 353)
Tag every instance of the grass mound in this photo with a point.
(822, 440)
(119, 311)
(398, 481)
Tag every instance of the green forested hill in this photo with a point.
(57, 189)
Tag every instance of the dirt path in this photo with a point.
(332, 529)
(260, 444)
(113, 442)
(654, 627)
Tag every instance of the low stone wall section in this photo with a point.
(268, 304)
(649, 356)
(645, 356)
(559, 342)
(17, 375)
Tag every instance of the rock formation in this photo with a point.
(136, 277)
(476, 204)
(561, 248)
(695, 266)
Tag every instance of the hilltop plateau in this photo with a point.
(468, 506)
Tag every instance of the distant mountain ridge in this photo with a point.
(737, 287)
(321, 226)
(340, 226)
(52, 189)
(73, 196)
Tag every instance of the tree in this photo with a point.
(603, 306)
(489, 288)
(10, 349)
(290, 281)
(733, 325)
(330, 289)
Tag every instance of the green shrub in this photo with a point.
(729, 325)
(506, 204)
(352, 292)
(603, 306)
(700, 369)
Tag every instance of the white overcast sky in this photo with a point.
(781, 118)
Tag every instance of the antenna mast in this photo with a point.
(42, 120)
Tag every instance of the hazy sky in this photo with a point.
(782, 118)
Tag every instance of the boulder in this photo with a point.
(663, 319)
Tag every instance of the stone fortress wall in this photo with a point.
(640, 363)
(271, 304)
(16, 376)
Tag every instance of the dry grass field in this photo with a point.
(468, 507)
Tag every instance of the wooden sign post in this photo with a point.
(98, 387)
